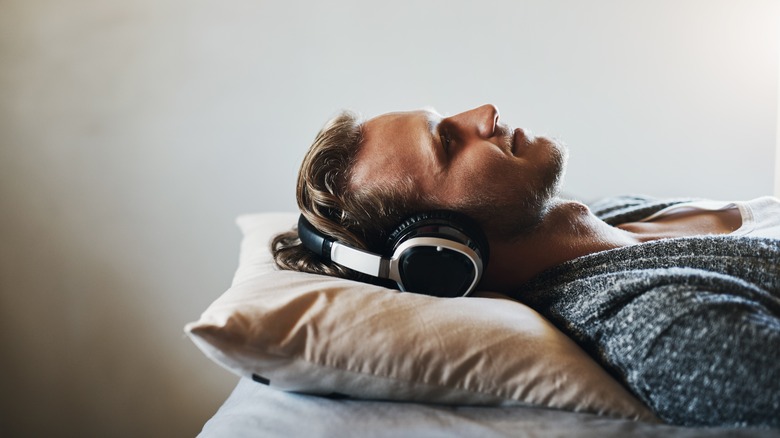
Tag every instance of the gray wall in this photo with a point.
(132, 133)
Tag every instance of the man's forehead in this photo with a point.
(402, 116)
(394, 145)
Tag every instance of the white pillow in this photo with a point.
(317, 334)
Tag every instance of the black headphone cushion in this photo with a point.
(439, 218)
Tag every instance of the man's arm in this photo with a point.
(691, 326)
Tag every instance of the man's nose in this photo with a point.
(480, 121)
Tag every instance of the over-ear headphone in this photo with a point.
(439, 253)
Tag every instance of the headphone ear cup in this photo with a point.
(436, 269)
(426, 218)
(439, 218)
(441, 273)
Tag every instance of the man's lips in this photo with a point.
(518, 140)
(508, 137)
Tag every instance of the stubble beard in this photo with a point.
(520, 214)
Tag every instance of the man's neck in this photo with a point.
(568, 230)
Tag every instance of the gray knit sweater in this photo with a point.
(690, 325)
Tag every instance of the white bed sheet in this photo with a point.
(255, 410)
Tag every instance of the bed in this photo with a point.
(321, 356)
(257, 410)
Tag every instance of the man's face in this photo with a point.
(468, 162)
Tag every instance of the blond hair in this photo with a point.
(360, 216)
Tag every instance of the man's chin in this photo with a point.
(559, 156)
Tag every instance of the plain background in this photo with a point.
(133, 133)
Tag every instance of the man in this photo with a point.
(679, 300)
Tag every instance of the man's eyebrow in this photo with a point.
(431, 109)
(433, 118)
(433, 131)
